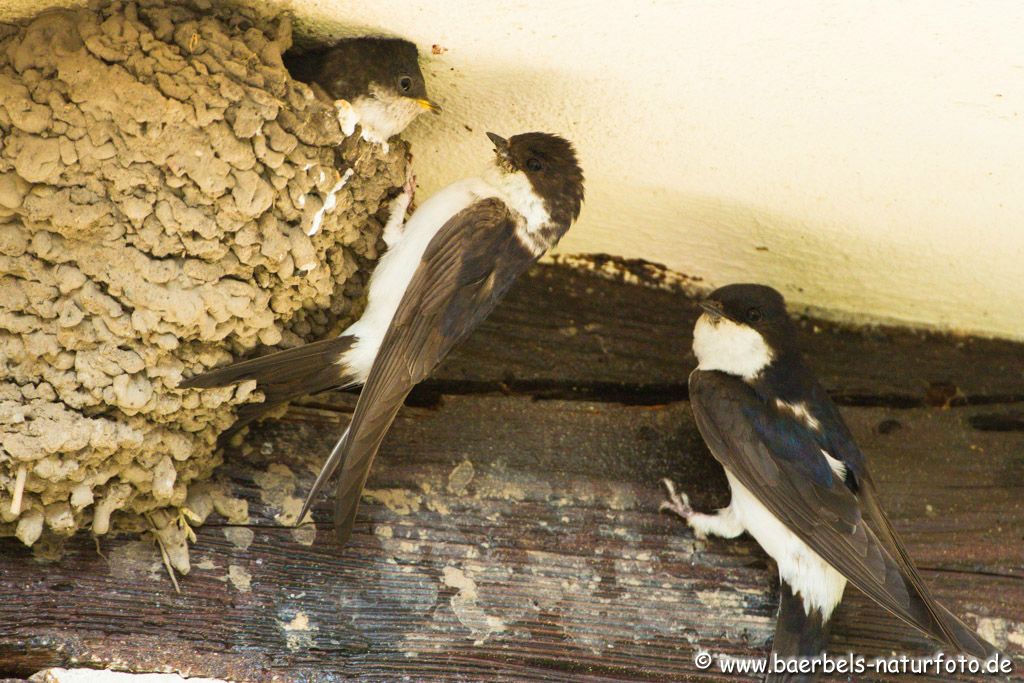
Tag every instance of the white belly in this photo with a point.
(811, 577)
(396, 267)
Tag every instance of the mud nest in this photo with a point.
(169, 199)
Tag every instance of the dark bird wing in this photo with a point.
(284, 375)
(779, 459)
(465, 270)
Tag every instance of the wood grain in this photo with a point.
(512, 532)
(563, 327)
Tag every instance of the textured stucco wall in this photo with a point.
(863, 157)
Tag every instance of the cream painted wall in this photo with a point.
(867, 158)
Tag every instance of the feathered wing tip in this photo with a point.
(797, 634)
(283, 376)
(346, 505)
(923, 611)
(963, 637)
(326, 472)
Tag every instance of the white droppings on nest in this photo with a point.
(19, 489)
(393, 229)
(330, 201)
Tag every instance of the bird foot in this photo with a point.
(678, 503)
(409, 187)
(394, 230)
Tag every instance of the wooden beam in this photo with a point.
(563, 327)
(511, 526)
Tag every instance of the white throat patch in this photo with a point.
(383, 115)
(516, 191)
(730, 348)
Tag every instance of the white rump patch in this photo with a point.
(729, 347)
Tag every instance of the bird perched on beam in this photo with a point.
(375, 82)
(456, 257)
(800, 485)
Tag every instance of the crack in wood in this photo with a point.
(430, 395)
(971, 572)
(998, 422)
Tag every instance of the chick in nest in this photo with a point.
(375, 82)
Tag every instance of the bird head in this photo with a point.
(549, 163)
(743, 329)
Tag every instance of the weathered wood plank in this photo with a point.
(550, 561)
(545, 559)
(562, 328)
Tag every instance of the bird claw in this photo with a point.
(409, 187)
(394, 230)
(678, 503)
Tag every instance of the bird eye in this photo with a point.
(405, 84)
(533, 164)
(754, 315)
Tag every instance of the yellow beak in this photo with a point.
(430, 106)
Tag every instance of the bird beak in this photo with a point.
(500, 145)
(713, 308)
(429, 105)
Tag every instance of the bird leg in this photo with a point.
(723, 523)
(395, 227)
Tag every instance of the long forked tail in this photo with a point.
(920, 609)
(284, 375)
(326, 472)
(963, 637)
(798, 633)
